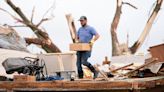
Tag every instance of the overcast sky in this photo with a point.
(100, 15)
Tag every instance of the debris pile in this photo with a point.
(129, 66)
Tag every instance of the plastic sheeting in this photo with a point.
(9, 39)
(13, 64)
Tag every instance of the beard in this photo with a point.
(84, 25)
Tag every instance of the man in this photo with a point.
(85, 34)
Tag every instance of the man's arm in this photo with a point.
(94, 39)
(96, 35)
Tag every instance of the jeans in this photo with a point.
(82, 57)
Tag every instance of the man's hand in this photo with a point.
(94, 39)
(77, 41)
(91, 42)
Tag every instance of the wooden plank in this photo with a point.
(80, 47)
(158, 52)
(77, 85)
(137, 84)
(24, 78)
(122, 67)
(63, 53)
(3, 90)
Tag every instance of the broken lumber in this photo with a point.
(102, 73)
(153, 60)
(121, 67)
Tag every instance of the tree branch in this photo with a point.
(36, 41)
(14, 17)
(39, 33)
(18, 11)
(33, 40)
(43, 20)
(46, 19)
(32, 15)
(115, 44)
(51, 8)
(130, 5)
(18, 26)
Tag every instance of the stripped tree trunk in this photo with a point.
(72, 27)
(115, 44)
(117, 49)
(49, 47)
(147, 28)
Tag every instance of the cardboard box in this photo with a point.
(157, 52)
(24, 78)
(80, 47)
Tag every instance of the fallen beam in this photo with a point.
(121, 67)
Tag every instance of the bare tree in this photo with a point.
(119, 49)
(43, 38)
(116, 50)
(147, 28)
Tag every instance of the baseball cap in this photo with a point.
(83, 18)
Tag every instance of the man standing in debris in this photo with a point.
(85, 34)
